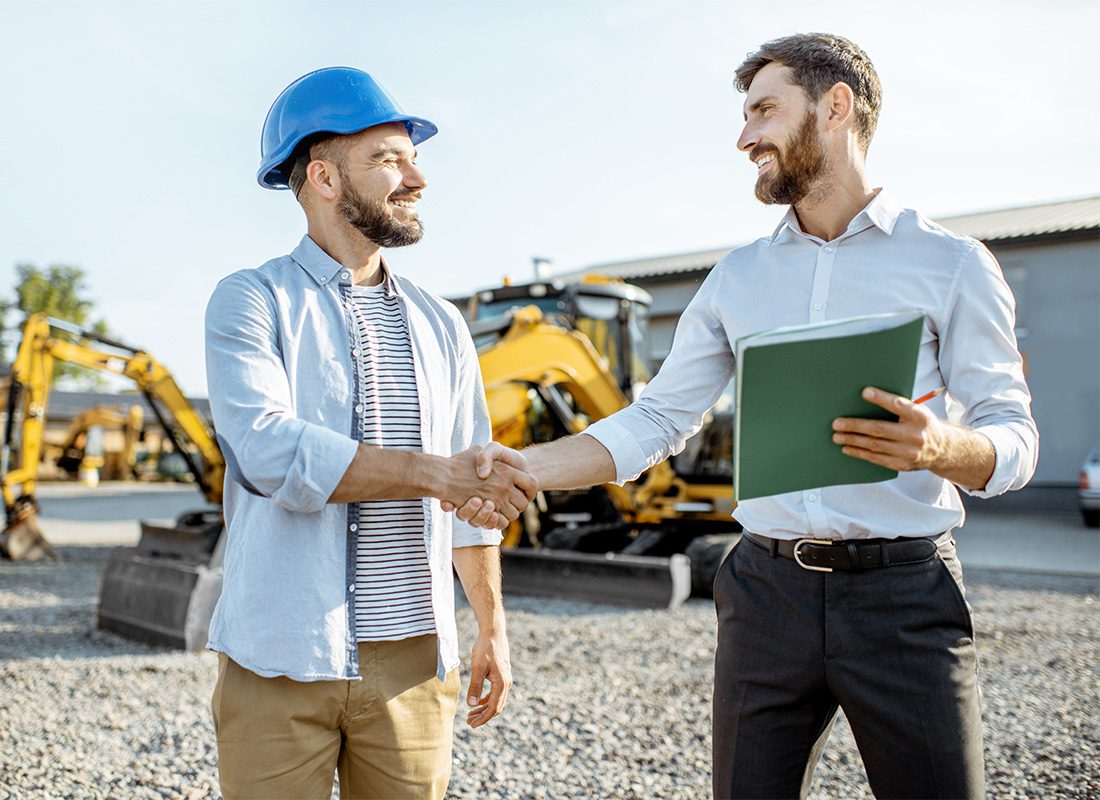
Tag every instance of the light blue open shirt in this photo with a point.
(888, 259)
(282, 392)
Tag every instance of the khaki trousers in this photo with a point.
(388, 735)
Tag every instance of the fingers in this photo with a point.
(895, 404)
(491, 705)
(484, 512)
(485, 458)
(471, 512)
(478, 671)
(447, 506)
(882, 459)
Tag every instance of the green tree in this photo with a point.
(60, 292)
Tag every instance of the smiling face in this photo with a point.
(380, 185)
(782, 138)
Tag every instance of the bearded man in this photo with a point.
(348, 402)
(874, 619)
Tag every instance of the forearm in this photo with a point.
(376, 473)
(572, 463)
(968, 460)
(479, 570)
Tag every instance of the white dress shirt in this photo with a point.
(888, 259)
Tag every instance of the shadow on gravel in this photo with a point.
(70, 645)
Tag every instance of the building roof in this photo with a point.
(1045, 220)
(62, 406)
(1003, 224)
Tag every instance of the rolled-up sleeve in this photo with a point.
(671, 408)
(472, 427)
(268, 449)
(983, 370)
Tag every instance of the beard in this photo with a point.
(375, 220)
(797, 171)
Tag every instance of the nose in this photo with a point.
(748, 139)
(414, 178)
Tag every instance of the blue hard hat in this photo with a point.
(337, 100)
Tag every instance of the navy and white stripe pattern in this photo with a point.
(393, 587)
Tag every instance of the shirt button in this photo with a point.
(355, 352)
(351, 588)
(345, 275)
(358, 409)
(828, 249)
(812, 498)
(353, 527)
(817, 306)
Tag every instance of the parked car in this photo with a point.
(1089, 488)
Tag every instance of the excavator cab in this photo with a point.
(614, 316)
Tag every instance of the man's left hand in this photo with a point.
(918, 440)
(489, 661)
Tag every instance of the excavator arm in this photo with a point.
(28, 395)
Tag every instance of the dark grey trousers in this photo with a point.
(893, 647)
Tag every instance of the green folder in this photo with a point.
(793, 382)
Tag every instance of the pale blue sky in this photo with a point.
(584, 132)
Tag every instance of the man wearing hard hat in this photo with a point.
(348, 403)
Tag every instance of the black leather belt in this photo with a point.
(822, 555)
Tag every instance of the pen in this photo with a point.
(925, 397)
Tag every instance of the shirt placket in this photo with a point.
(818, 311)
(351, 522)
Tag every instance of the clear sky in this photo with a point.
(583, 132)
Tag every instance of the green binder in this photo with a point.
(793, 382)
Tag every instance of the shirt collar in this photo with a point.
(882, 212)
(323, 268)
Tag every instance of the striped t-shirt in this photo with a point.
(393, 592)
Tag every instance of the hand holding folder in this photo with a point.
(792, 383)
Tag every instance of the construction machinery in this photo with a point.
(555, 357)
(164, 589)
(83, 452)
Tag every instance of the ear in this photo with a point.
(323, 178)
(838, 105)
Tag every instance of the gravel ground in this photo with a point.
(607, 703)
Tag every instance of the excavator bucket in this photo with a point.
(23, 540)
(163, 591)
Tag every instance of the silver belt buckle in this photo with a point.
(798, 559)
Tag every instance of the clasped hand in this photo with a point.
(918, 440)
(491, 486)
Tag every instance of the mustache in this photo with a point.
(411, 194)
(762, 150)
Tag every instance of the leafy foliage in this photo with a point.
(60, 292)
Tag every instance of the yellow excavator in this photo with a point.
(83, 452)
(164, 589)
(555, 357)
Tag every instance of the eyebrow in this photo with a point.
(392, 151)
(766, 99)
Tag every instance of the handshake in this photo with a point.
(489, 486)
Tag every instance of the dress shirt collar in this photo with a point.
(323, 268)
(882, 212)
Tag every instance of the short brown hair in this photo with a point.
(819, 61)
